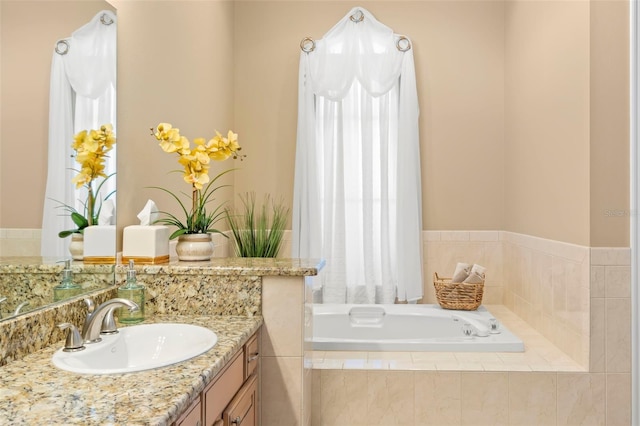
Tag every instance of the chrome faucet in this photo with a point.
(19, 308)
(2, 299)
(481, 329)
(102, 314)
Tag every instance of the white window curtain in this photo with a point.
(82, 97)
(357, 190)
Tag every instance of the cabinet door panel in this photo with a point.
(193, 415)
(252, 353)
(218, 395)
(242, 410)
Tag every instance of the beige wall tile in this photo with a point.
(532, 398)
(617, 281)
(485, 398)
(618, 335)
(307, 393)
(282, 310)
(343, 398)
(581, 399)
(597, 336)
(597, 281)
(437, 398)
(390, 398)
(316, 397)
(611, 256)
(281, 388)
(618, 399)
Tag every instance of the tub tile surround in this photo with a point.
(571, 306)
(545, 282)
(20, 241)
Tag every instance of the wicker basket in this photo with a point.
(458, 296)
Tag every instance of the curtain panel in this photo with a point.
(357, 188)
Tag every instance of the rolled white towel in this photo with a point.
(461, 273)
(476, 276)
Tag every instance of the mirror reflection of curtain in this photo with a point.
(357, 188)
(82, 97)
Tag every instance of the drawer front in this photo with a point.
(193, 415)
(252, 352)
(218, 395)
(242, 410)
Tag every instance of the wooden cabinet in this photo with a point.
(192, 416)
(251, 356)
(243, 409)
(231, 399)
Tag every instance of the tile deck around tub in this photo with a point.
(539, 355)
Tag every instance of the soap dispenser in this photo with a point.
(67, 288)
(133, 291)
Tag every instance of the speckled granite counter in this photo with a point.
(33, 391)
(258, 266)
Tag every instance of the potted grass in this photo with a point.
(257, 230)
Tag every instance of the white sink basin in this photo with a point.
(137, 348)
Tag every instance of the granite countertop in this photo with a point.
(34, 391)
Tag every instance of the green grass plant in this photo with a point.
(257, 230)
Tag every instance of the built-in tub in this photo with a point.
(409, 328)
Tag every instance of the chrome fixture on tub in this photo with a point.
(472, 326)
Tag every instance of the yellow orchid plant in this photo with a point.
(196, 160)
(91, 149)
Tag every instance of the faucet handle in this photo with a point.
(19, 307)
(91, 306)
(74, 342)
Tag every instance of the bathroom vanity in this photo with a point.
(255, 306)
(231, 398)
(34, 391)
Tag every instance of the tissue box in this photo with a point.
(145, 245)
(100, 244)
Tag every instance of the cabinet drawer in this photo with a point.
(222, 390)
(193, 415)
(251, 354)
(243, 409)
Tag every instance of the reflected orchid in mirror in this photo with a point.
(91, 148)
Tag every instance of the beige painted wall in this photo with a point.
(458, 50)
(28, 33)
(523, 106)
(547, 120)
(175, 64)
(609, 89)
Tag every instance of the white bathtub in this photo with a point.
(408, 328)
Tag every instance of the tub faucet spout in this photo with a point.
(481, 329)
(93, 323)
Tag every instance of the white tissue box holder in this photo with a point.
(145, 245)
(100, 244)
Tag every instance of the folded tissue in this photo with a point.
(149, 214)
(468, 274)
(107, 214)
(146, 243)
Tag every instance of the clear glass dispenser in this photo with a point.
(67, 288)
(133, 291)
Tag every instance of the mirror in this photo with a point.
(29, 32)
